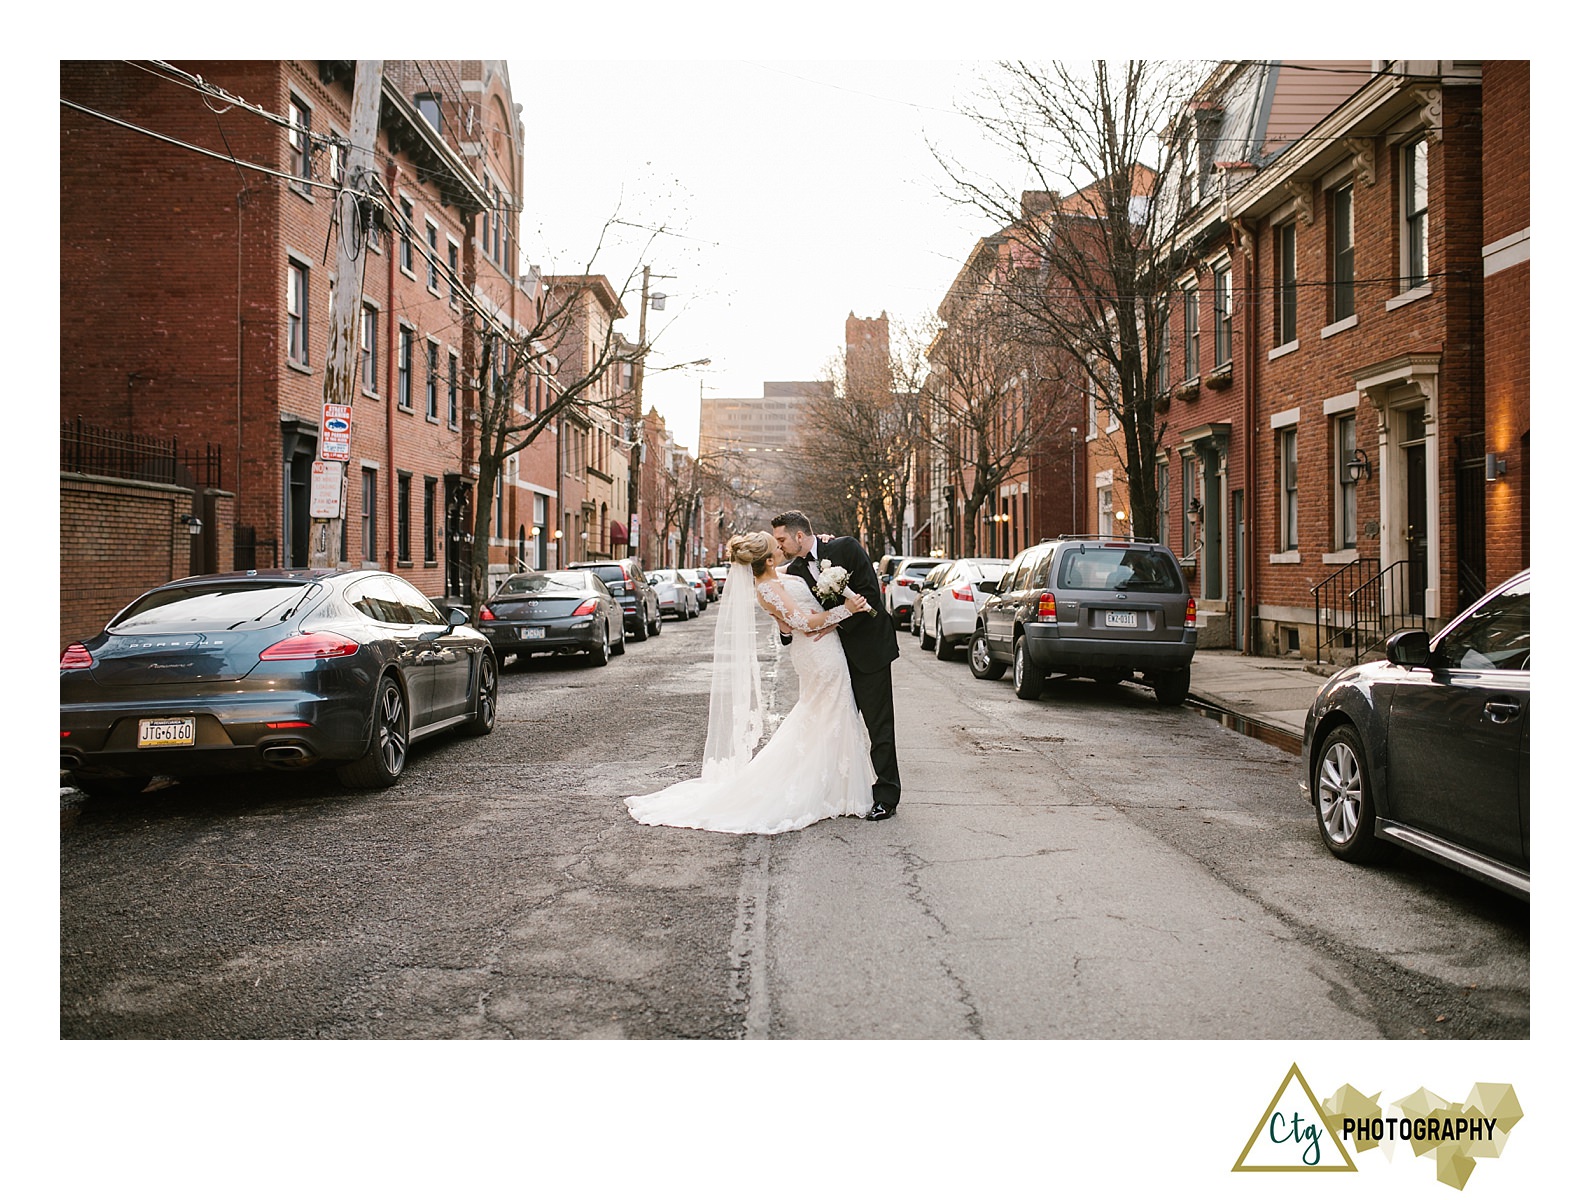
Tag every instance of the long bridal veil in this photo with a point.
(734, 705)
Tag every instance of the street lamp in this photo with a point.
(1075, 527)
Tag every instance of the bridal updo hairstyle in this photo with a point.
(752, 549)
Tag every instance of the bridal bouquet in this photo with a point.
(833, 583)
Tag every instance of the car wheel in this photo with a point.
(980, 660)
(1343, 802)
(656, 622)
(642, 630)
(485, 718)
(619, 646)
(1027, 677)
(111, 787)
(942, 650)
(924, 638)
(600, 654)
(389, 741)
(1170, 687)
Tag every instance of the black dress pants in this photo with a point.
(874, 692)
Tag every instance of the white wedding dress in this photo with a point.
(818, 762)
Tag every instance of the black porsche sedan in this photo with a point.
(555, 612)
(271, 669)
(1429, 749)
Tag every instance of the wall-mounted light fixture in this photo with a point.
(1495, 467)
(1358, 468)
(196, 526)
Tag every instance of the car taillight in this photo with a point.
(486, 614)
(1046, 609)
(963, 594)
(76, 657)
(587, 608)
(310, 645)
(1192, 613)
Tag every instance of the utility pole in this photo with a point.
(637, 412)
(350, 224)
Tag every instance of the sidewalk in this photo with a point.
(1270, 691)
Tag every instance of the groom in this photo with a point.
(868, 638)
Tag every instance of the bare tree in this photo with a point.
(1098, 234)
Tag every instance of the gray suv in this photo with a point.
(1103, 608)
(625, 579)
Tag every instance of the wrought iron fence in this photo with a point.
(92, 450)
(1358, 607)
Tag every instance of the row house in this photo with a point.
(1347, 359)
(199, 251)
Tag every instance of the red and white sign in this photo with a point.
(336, 432)
(325, 491)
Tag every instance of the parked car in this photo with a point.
(920, 588)
(720, 576)
(948, 602)
(897, 593)
(1429, 749)
(555, 612)
(709, 583)
(271, 670)
(675, 593)
(1102, 608)
(625, 579)
(697, 584)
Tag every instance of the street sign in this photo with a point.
(336, 432)
(325, 491)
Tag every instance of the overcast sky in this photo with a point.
(792, 194)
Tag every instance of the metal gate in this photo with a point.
(1470, 518)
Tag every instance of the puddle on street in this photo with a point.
(1279, 738)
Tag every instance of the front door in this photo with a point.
(1417, 533)
(1239, 577)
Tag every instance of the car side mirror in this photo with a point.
(991, 586)
(1409, 648)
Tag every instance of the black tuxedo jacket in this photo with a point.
(869, 638)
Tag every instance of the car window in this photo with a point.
(1041, 563)
(220, 605)
(1119, 569)
(377, 599)
(1021, 571)
(1494, 637)
(421, 611)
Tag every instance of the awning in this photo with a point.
(618, 533)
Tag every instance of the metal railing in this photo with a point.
(1358, 607)
(92, 450)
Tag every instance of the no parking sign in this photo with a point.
(336, 432)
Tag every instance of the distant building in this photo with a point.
(754, 438)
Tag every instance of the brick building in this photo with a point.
(198, 254)
(1335, 376)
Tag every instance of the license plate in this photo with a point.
(165, 731)
(1120, 620)
(531, 633)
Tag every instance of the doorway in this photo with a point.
(1416, 505)
(1239, 573)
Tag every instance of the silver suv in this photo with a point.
(1103, 608)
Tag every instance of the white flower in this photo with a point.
(831, 580)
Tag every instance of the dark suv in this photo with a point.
(1103, 608)
(627, 582)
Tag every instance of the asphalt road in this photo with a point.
(1086, 866)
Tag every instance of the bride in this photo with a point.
(818, 762)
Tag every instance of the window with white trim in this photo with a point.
(367, 336)
(299, 143)
(1346, 506)
(405, 501)
(1343, 273)
(1222, 315)
(433, 274)
(1416, 213)
(1189, 332)
(1286, 283)
(367, 493)
(406, 237)
(433, 353)
(452, 389)
(1286, 487)
(405, 367)
(297, 313)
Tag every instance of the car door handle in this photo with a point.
(1499, 712)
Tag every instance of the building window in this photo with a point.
(367, 349)
(298, 313)
(1416, 212)
(404, 501)
(496, 507)
(406, 238)
(298, 142)
(1286, 490)
(1346, 485)
(367, 534)
(1162, 487)
(433, 274)
(452, 390)
(430, 108)
(432, 383)
(1286, 283)
(1189, 332)
(1106, 512)
(405, 367)
(1343, 304)
(1162, 361)
(1222, 316)
(452, 272)
(428, 530)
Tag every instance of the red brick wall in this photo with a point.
(118, 538)
(1506, 176)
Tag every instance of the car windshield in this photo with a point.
(549, 583)
(918, 571)
(214, 605)
(1119, 569)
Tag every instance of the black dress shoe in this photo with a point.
(879, 812)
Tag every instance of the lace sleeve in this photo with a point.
(776, 600)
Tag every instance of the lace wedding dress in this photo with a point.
(816, 765)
